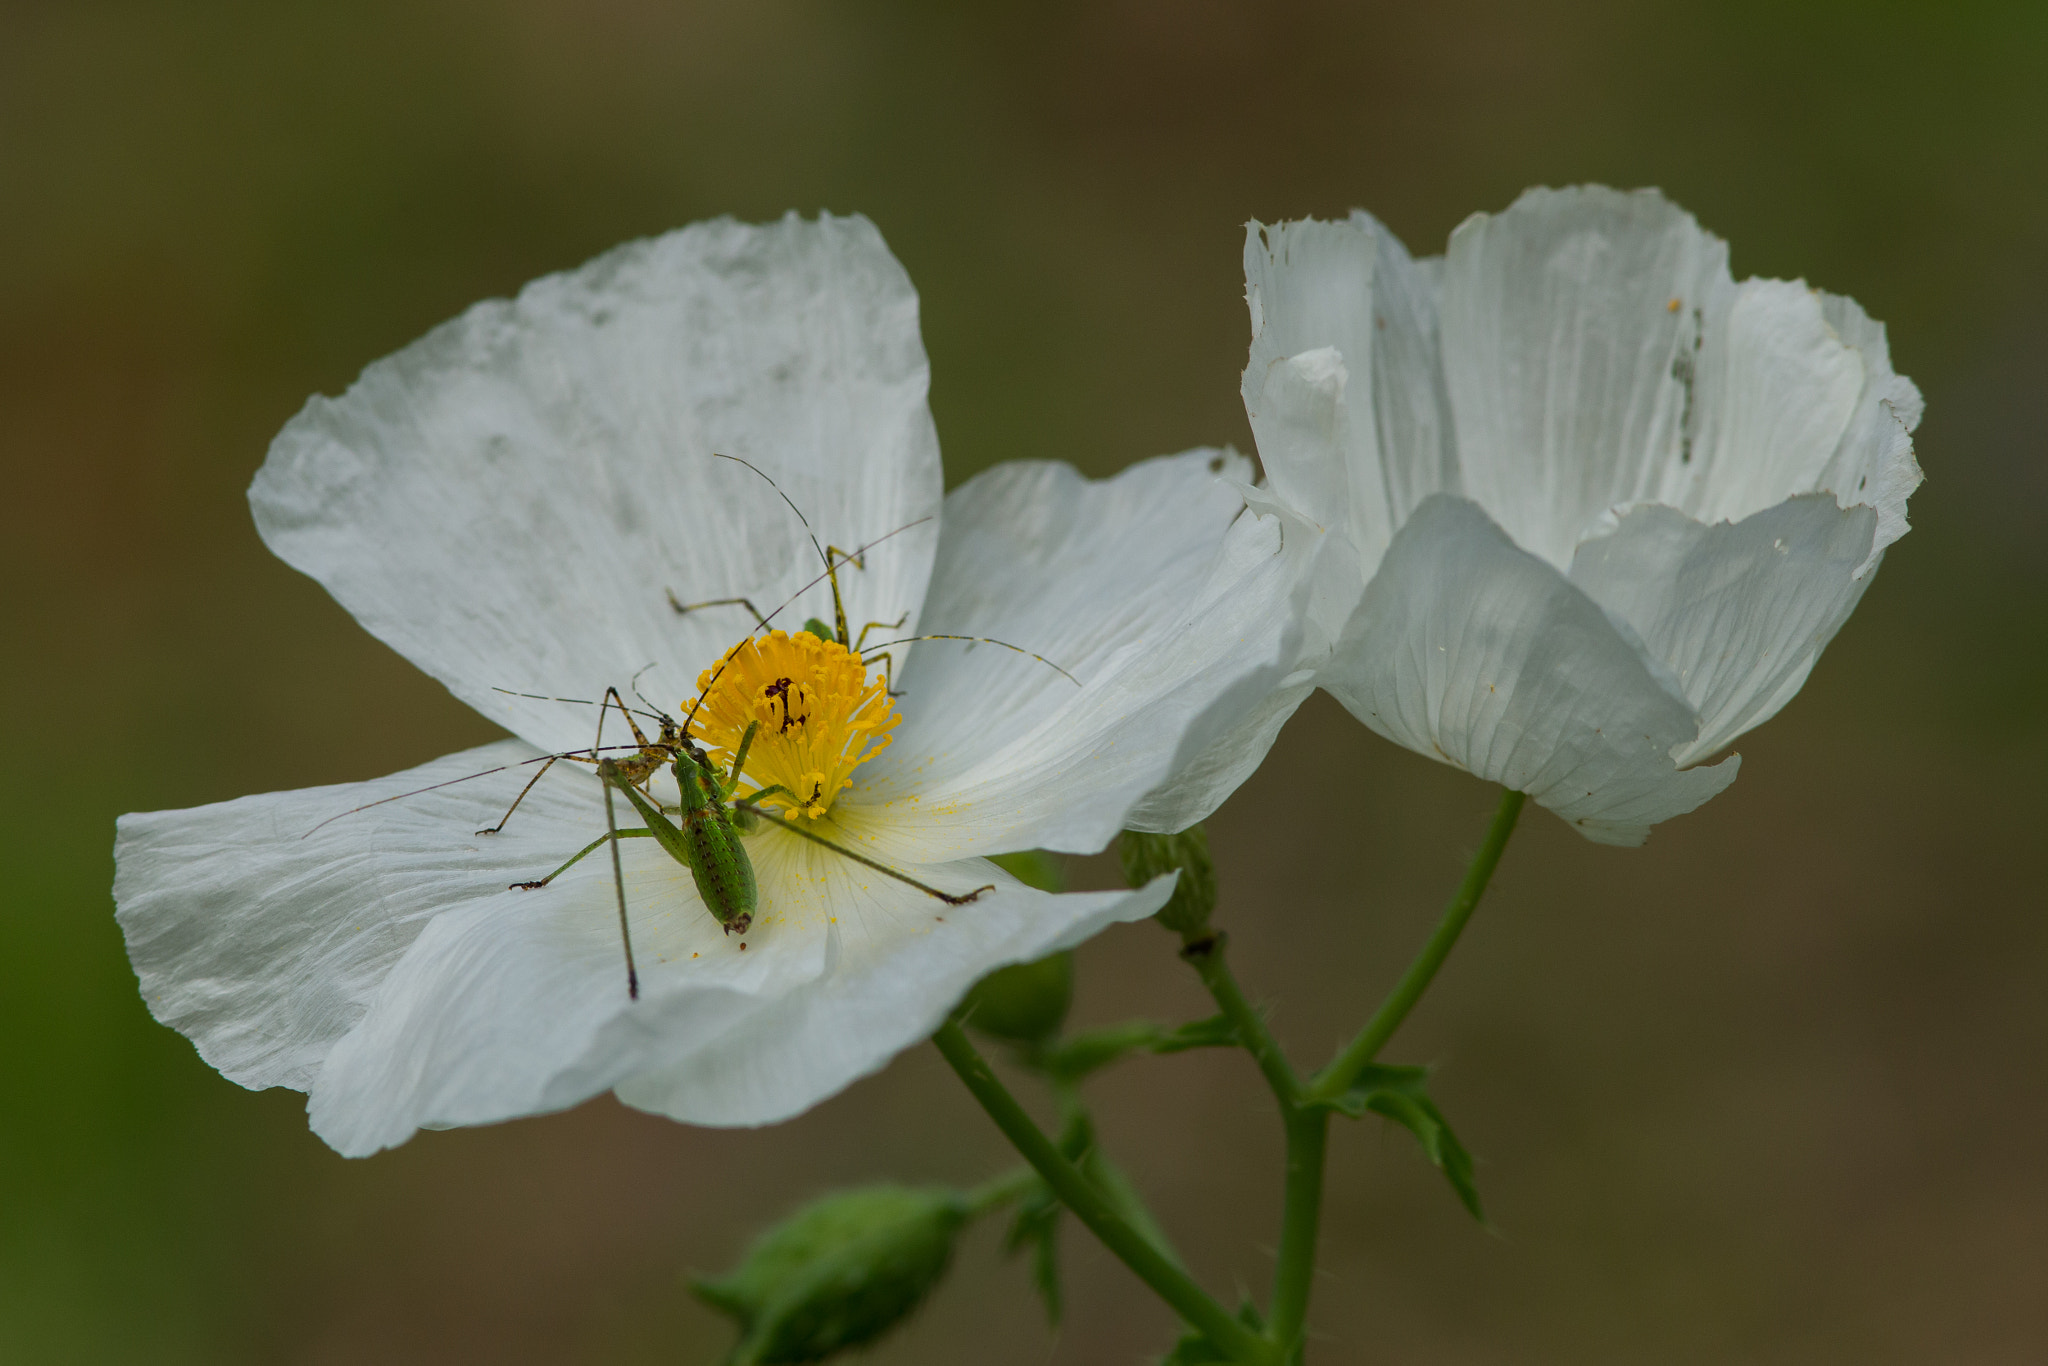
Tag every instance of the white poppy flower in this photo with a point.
(510, 502)
(1593, 509)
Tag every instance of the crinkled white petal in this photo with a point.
(1346, 396)
(1874, 463)
(1569, 325)
(1344, 388)
(1410, 401)
(1173, 607)
(1776, 388)
(1309, 285)
(896, 962)
(385, 965)
(1471, 650)
(1737, 611)
(510, 501)
(519, 1006)
(264, 943)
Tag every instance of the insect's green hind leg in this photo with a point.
(577, 857)
(739, 761)
(743, 815)
(611, 826)
(862, 859)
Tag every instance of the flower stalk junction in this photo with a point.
(1305, 1105)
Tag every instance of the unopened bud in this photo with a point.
(838, 1273)
(1146, 856)
(1025, 1002)
(1034, 868)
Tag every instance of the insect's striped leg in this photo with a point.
(577, 857)
(619, 886)
(862, 859)
(494, 829)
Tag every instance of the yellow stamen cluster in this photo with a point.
(819, 717)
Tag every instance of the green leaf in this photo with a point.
(1215, 1032)
(1037, 1227)
(1124, 1197)
(838, 1273)
(1094, 1049)
(1401, 1095)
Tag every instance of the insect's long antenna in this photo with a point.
(712, 682)
(978, 640)
(582, 756)
(611, 825)
(654, 715)
(634, 684)
(740, 460)
(430, 787)
(857, 554)
(761, 619)
(838, 608)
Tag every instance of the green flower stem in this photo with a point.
(1150, 1265)
(1205, 955)
(1307, 1127)
(1336, 1078)
(1308, 1132)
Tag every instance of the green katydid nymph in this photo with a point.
(801, 708)
(711, 813)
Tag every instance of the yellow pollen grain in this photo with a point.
(816, 713)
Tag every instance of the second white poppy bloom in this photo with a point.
(1590, 508)
(515, 503)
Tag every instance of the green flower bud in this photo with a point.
(1194, 896)
(1034, 868)
(1025, 1002)
(838, 1273)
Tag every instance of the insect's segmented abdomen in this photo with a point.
(724, 873)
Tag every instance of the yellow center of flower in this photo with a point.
(816, 715)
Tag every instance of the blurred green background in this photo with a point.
(1772, 1089)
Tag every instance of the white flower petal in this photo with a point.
(1171, 605)
(1738, 612)
(1309, 285)
(1470, 649)
(264, 944)
(1776, 389)
(898, 961)
(1411, 404)
(1874, 463)
(1343, 387)
(384, 965)
(1568, 326)
(509, 501)
(517, 1005)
